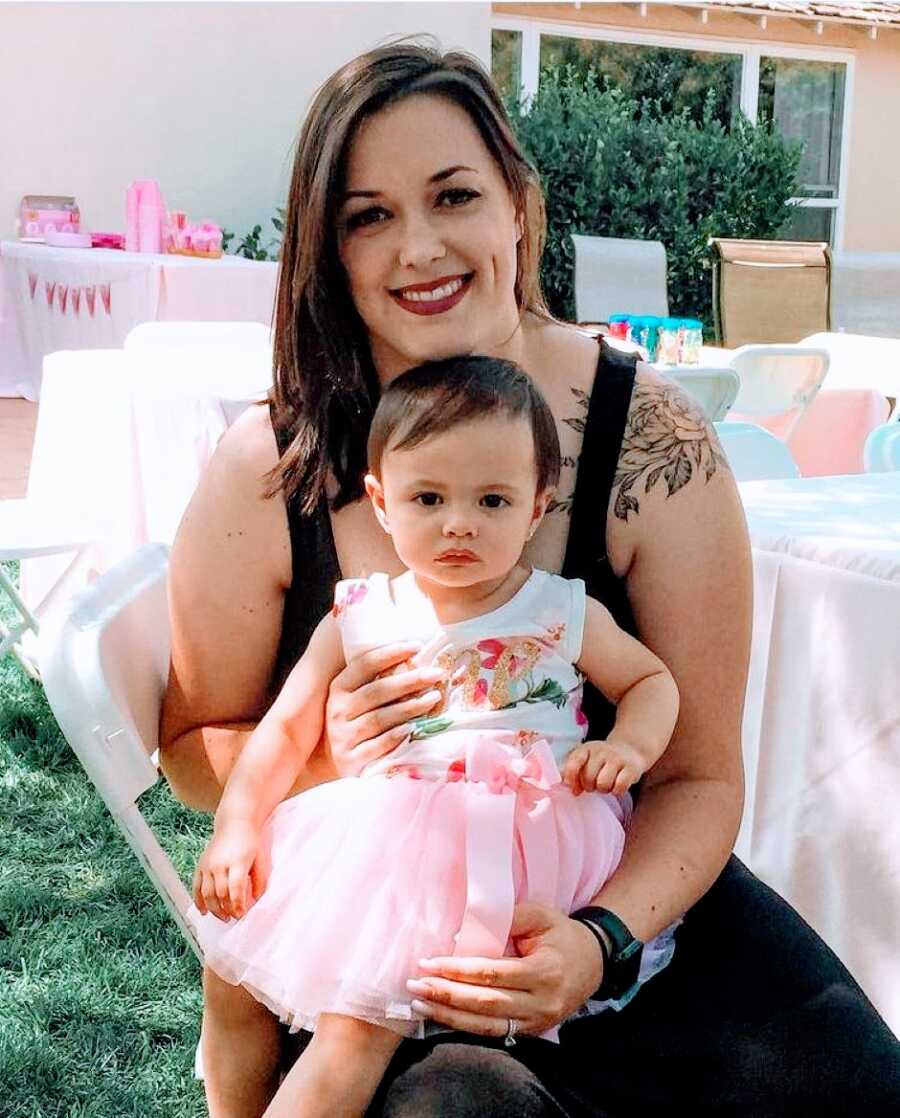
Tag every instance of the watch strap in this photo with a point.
(621, 955)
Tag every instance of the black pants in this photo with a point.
(754, 1017)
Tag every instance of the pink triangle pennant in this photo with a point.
(106, 297)
(32, 283)
(49, 291)
(76, 300)
(62, 296)
(90, 296)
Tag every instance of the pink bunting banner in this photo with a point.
(76, 301)
(49, 291)
(106, 297)
(90, 295)
(62, 293)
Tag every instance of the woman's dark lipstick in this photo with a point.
(433, 306)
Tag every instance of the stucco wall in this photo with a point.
(207, 97)
(872, 214)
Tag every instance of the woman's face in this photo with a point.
(427, 234)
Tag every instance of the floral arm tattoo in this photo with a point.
(577, 423)
(668, 436)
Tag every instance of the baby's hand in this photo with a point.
(222, 881)
(603, 766)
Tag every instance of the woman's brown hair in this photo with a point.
(325, 384)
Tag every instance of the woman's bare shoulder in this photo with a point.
(669, 447)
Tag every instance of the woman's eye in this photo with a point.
(372, 216)
(494, 500)
(429, 500)
(456, 197)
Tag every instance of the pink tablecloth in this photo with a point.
(64, 299)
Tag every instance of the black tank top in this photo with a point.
(315, 565)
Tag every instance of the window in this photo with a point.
(506, 59)
(803, 92)
(804, 99)
(678, 79)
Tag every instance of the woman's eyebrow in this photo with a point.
(438, 176)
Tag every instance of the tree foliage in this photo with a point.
(613, 166)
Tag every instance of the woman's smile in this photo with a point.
(433, 298)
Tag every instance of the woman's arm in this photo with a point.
(690, 587)
(229, 569)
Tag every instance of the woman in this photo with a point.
(414, 232)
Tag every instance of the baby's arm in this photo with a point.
(265, 772)
(646, 699)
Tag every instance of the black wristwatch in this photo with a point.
(622, 963)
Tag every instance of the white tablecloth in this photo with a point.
(122, 439)
(54, 299)
(860, 361)
(822, 717)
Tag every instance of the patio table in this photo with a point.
(122, 439)
(63, 299)
(860, 361)
(821, 732)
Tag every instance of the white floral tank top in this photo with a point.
(520, 679)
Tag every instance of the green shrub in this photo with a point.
(615, 167)
(251, 247)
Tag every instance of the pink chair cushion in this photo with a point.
(831, 433)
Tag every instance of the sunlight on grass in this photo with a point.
(99, 994)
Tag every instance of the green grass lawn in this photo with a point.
(99, 994)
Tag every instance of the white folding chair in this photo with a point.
(105, 661)
(882, 450)
(169, 335)
(714, 389)
(27, 532)
(615, 275)
(753, 453)
(777, 380)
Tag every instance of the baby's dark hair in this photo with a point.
(436, 396)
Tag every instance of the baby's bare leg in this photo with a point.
(241, 1048)
(339, 1071)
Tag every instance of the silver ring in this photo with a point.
(512, 1027)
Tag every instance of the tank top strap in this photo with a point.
(586, 554)
(314, 575)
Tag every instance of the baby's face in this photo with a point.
(460, 505)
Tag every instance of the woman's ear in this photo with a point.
(376, 495)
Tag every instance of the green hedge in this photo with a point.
(614, 167)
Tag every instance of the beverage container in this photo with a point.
(649, 336)
(668, 334)
(618, 326)
(691, 341)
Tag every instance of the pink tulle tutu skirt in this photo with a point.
(369, 875)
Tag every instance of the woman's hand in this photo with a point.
(370, 707)
(559, 967)
(231, 872)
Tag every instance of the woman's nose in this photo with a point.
(420, 242)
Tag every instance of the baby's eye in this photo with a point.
(374, 215)
(493, 500)
(429, 500)
(457, 196)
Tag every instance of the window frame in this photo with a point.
(751, 53)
